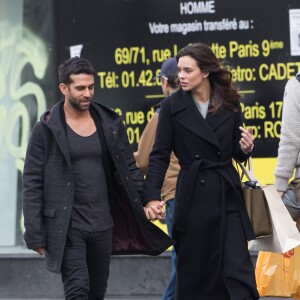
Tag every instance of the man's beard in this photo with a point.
(78, 106)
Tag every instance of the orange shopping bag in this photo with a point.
(278, 275)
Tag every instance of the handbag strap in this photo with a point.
(248, 171)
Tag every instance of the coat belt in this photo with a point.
(202, 164)
(194, 168)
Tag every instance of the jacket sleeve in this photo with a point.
(34, 235)
(289, 145)
(160, 155)
(135, 172)
(238, 153)
(146, 143)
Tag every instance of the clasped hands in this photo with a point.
(154, 210)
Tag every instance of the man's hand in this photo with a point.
(154, 210)
(280, 193)
(40, 251)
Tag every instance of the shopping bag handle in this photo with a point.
(248, 171)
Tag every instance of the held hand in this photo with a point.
(247, 139)
(280, 193)
(154, 210)
(40, 251)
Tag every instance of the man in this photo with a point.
(81, 188)
(170, 84)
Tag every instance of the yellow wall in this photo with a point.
(263, 169)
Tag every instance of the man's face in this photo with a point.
(80, 92)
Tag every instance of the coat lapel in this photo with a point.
(61, 139)
(188, 115)
(217, 119)
(55, 124)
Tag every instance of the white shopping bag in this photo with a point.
(285, 233)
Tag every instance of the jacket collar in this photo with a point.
(107, 115)
(187, 114)
(54, 119)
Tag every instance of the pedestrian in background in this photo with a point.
(202, 124)
(170, 84)
(288, 159)
(288, 165)
(81, 188)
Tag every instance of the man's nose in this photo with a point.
(87, 93)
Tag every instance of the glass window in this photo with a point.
(26, 81)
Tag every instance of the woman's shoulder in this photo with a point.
(176, 96)
(179, 94)
(176, 101)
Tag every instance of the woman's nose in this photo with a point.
(180, 75)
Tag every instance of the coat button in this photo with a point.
(219, 153)
(197, 156)
(202, 181)
(68, 184)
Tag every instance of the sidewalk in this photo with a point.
(143, 297)
(131, 278)
(107, 298)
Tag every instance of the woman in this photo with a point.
(202, 124)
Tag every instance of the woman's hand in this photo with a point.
(280, 193)
(154, 209)
(247, 139)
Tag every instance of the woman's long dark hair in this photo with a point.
(223, 94)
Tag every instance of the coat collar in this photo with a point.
(108, 116)
(54, 119)
(187, 114)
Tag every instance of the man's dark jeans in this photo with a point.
(85, 266)
(169, 293)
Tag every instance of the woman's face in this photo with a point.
(189, 74)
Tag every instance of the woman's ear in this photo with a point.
(205, 75)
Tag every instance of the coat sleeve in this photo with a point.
(160, 155)
(146, 143)
(238, 153)
(134, 171)
(289, 144)
(33, 196)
